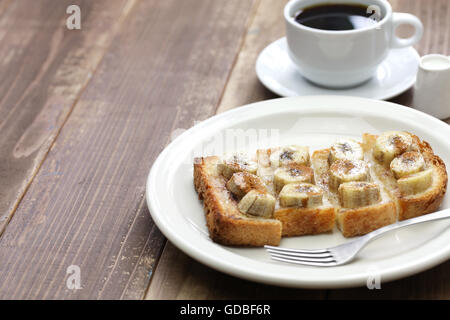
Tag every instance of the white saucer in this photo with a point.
(396, 74)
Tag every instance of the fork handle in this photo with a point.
(439, 215)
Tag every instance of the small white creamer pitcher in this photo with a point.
(432, 88)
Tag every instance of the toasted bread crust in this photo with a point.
(359, 221)
(225, 223)
(429, 201)
(303, 221)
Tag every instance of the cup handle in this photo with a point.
(406, 18)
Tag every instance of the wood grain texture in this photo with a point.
(179, 277)
(243, 86)
(44, 68)
(167, 66)
(435, 16)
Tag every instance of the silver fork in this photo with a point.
(346, 252)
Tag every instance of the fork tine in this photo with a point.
(301, 254)
(308, 263)
(302, 258)
(306, 251)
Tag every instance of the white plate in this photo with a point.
(316, 121)
(396, 74)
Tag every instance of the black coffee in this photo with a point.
(336, 17)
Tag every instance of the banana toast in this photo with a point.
(358, 186)
(226, 224)
(361, 202)
(300, 204)
(414, 176)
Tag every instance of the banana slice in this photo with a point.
(416, 182)
(391, 144)
(290, 155)
(236, 163)
(292, 173)
(257, 203)
(346, 149)
(242, 182)
(357, 194)
(347, 170)
(303, 195)
(407, 163)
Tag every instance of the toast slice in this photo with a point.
(361, 217)
(296, 220)
(226, 224)
(430, 178)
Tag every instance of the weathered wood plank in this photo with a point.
(44, 68)
(179, 277)
(166, 67)
(243, 86)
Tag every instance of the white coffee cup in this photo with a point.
(340, 59)
(432, 87)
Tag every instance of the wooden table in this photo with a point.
(83, 115)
